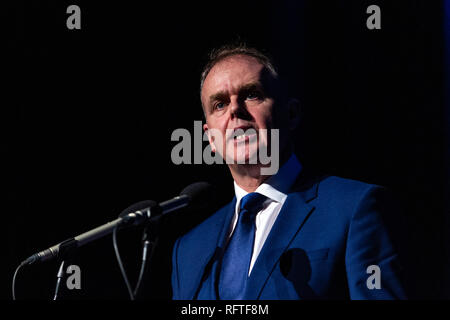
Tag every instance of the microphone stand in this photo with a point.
(59, 277)
(66, 248)
(150, 237)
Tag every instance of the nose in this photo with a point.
(238, 109)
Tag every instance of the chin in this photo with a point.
(244, 157)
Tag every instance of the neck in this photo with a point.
(248, 176)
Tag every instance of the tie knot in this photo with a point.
(252, 202)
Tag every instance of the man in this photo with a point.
(289, 235)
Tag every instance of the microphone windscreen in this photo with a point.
(200, 193)
(138, 206)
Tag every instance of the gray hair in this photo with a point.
(223, 52)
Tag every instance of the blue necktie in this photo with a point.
(237, 257)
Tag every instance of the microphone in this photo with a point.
(197, 195)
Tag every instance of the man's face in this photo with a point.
(238, 93)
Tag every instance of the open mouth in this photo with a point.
(243, 134)
(244, 137)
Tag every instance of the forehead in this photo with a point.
(231, 73)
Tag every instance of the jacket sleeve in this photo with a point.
(174, 277)
(373, 258)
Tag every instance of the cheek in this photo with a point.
(217, 130)
(280, 118)
(215, 123)
(264, 115)
(264, 120)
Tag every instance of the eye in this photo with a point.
(253, 95)
(219, 106)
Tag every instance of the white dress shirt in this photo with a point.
(275, 189)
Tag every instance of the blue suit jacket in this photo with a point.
(328, 232)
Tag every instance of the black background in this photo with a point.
(87, 118)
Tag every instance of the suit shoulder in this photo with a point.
(343, 192)
(339, 184)
(211, 225)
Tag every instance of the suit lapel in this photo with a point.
(215, 248)
(227, 222)
(291, 218)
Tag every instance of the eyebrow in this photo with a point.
(222, 95)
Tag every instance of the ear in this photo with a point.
(211, 141)
(294, 109)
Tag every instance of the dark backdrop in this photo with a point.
(88, 116)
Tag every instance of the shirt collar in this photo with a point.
(277, 186)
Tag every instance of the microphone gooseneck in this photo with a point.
(197, 195)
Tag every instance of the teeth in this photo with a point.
(242, 136)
